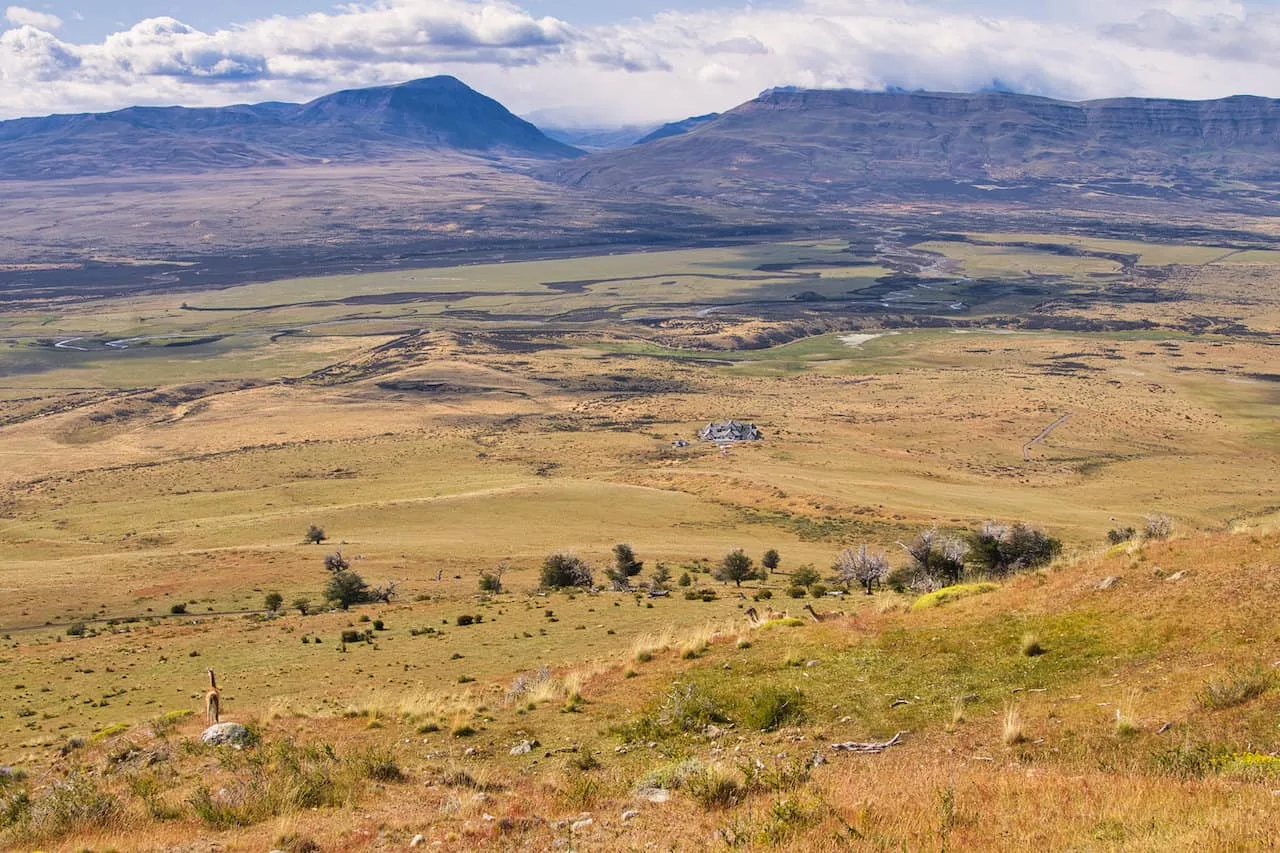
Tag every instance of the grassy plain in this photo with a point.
(449, 421)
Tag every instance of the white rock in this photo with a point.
(585, 823)
(418, 841)
(222, 733)
(629, 814)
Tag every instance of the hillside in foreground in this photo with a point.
(1124, 699)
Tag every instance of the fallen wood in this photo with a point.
(868, 748)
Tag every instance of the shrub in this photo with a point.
(76, 629)
(302, 605)
(996, 550)
(379, 764)
(178, 609)
(562, 570)
(935, 561)
(1235, 689)
(352, 636)
(315, 535)
(273, 601)
(379, 625)
(818, 590)
(684, 580)
(1119, 535)
(764, 595)
(796, 592)
(1012, 732)
(1031, 646)
(713, 788)
(1158, 527)
(771, 707)
(490, 582)
(464, 619)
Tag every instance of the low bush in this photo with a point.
(948, 594)
(771, 707)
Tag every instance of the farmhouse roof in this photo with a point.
(730, 431)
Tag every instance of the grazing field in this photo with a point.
(165, 455)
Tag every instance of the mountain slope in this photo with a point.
(836, 145)
(676, 128)
(434, 114)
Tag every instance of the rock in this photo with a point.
(1107, 583)
(226, 733)
(1177, 576)
(585, 823)
(654, 795)
(418, 840)
(629, 814)
(524, 747)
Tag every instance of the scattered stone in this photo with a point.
(487, 818)
(1177, 576)
(524, 747)
(810, 663)
(585, 823)
(469, 751)
(418, 840)
(1107, 582)
(226, 733)
(629, 814)
(654, 795)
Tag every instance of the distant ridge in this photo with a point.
(436, 114)
(832, 145)
(676, 128)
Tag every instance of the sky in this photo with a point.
(605, 63)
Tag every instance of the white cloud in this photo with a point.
(23, 17)
(667, 66)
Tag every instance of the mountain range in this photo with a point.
(378, 177)
(422, 116)
(833, 145)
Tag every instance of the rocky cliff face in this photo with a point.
(841, 143)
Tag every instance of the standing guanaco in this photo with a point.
(212, 699)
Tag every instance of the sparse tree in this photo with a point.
(660, 577)
(624, 567)
(936, 560)
(805, 576)
(861, 567)
(302, 605)
(315, 535)
(771, 560)
(1116, 535)
(564, 570)
(335, 562)
(346, 588)
(624, 560)
(273, 601)
(735, 566)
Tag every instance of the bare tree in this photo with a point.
(1158, 527)
(936, 560)
(335, 562)
(491, 579)
(384, 593)
(862, 567)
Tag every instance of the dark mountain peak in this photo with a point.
(405, 119)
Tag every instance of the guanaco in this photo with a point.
(212, 700)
